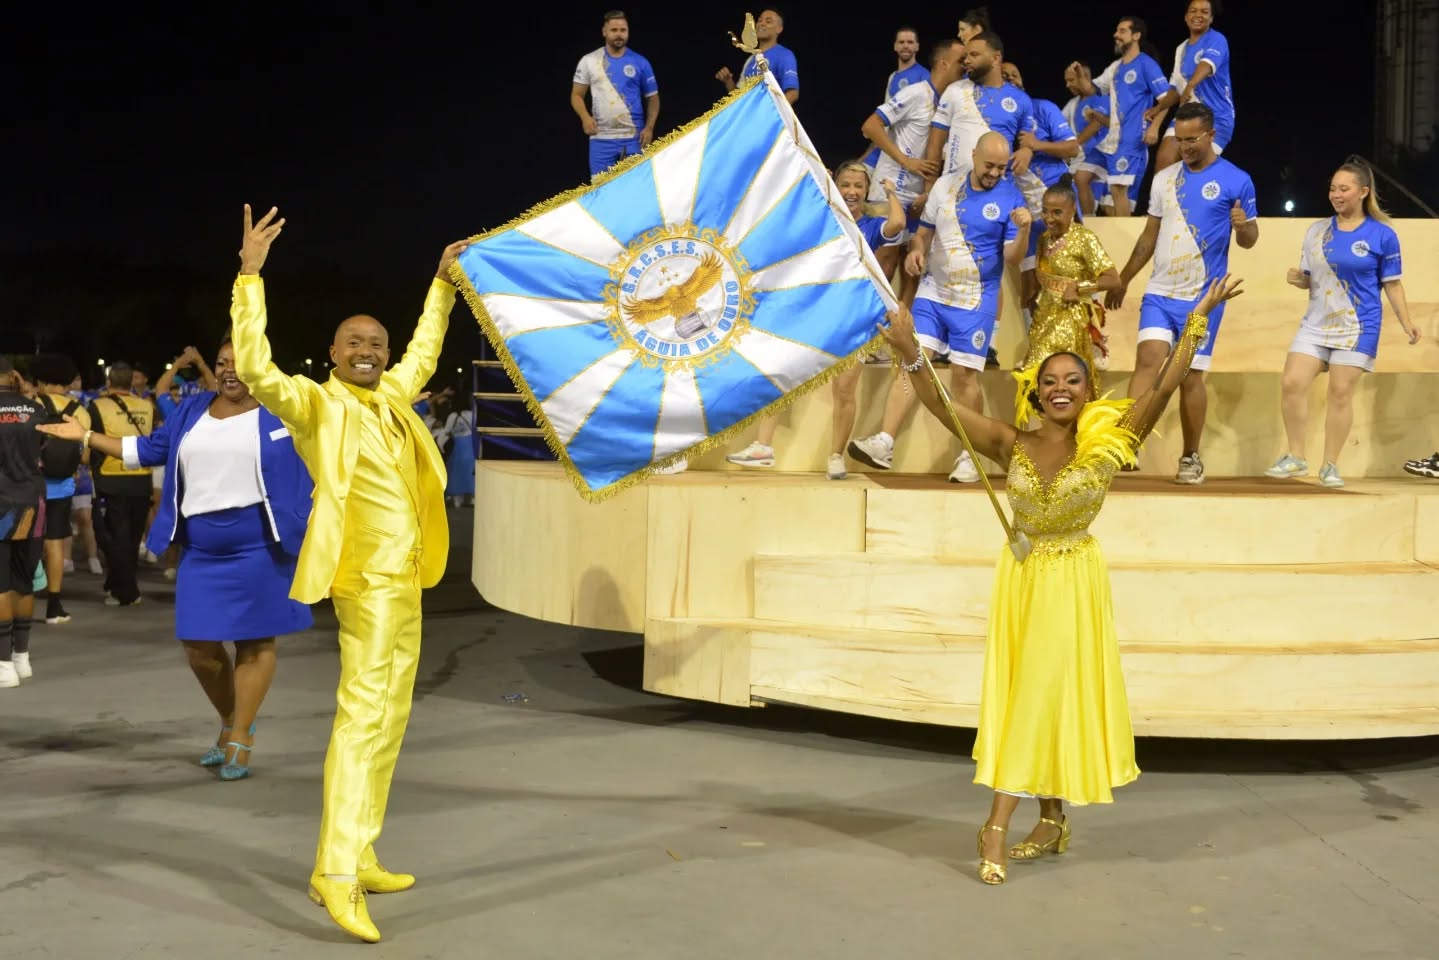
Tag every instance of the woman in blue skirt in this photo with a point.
(236, 499)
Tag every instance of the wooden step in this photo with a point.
(1279, 605)
(1327, 690)
(488, 363)
(1204, 525)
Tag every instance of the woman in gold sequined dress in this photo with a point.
(1054, 718)
(1072, 266)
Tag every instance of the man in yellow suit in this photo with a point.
(377, 535)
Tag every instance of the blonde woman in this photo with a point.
(1346, 262)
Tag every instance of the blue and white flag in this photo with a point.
(659, 310)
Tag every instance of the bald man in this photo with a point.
(377, 535)
(974, 223)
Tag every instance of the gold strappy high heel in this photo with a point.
(990, 872)
(1029, 850)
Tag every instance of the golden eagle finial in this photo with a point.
(748, 40)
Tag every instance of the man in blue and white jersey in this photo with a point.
(978, 104)
(1133, 83)
(1194, 206)
(899, 129)
(623, 93)
(975, 222)
(1088, 117)
(767, 28)
(1201, 72)
(1052, 144)
(908, 70)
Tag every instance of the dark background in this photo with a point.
(384, 131)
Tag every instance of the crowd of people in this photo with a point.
(991, 176)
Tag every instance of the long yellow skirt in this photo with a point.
(1053, 715)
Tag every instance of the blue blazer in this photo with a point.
(285, 484)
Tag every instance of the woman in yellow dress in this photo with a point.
(1053, 717)
(1072, 266)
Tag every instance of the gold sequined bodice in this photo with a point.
(1062, 509)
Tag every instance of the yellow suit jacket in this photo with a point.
(324, 422)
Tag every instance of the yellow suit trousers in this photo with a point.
(379, 618)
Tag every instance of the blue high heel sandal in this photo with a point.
(232, 769)
(215, 756)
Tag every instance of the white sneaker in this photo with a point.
(22, 666)
(835, 470)
(142, 552)
(1329, 476)
(754, 455)
(151, 558)
(69, 566)
(1191, 471)
(1288, 466)
(95, 567)
(964, 470)
(8, 676)
(876, 451)
(171, 573)
(679, 467)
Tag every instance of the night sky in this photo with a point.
(383, 132)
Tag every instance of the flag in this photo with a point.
(656, 312)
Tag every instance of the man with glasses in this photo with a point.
(1194, 206)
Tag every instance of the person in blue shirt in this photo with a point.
(1194, 208)
(1349, 263)
(908, 70)
(1133, 83)
(204, 379)
(623, 93)
(767, 28)
(237, 497)
(1088, 116)
(1201, 72)
(975, 222)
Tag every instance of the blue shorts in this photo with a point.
(1126, 169)
(606, 153)
(1164, 318)
(963, 334)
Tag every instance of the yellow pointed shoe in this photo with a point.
(344, 901)
(377, 879)
(1029, 850)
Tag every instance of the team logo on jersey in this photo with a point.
(630, 70)
(1210, 190)
(903, 84)
(1359, 248)
(1122, 164)
(977, 340)
(1130, 76)
(1009, 105)
(680, 296)
(991, 211)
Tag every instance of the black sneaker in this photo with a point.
(991, 360)
(55, 612)
(1424, 468)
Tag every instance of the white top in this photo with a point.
(958, 111)
(220, 464)
(906, 117)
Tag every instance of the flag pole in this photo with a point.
(1018, 543)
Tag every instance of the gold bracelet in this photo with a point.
(1197, 327)
(1087, 288)
(85, 441)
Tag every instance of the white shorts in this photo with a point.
(81, 501)
(1307, 344)
(1100, 173)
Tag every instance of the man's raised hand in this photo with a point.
(448, 257)
(255, 246)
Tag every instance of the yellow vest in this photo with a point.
(109, 418)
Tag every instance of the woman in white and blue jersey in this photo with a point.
(1346, 262)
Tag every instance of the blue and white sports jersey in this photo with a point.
(1194, 227)
(872, 229)
(906, 117)
(971, 227)
(1132, 88)
(781, 63)
(1213, 91)
(1347, 272)
(1052, 128)
(967, 111)
(618, 89)
(912, 74)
